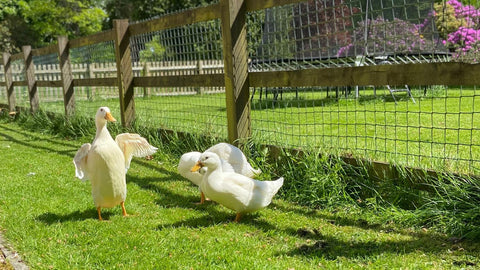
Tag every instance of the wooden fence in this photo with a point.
(52, 72)
(235, 78)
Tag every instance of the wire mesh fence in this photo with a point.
(187, 50)
(430, 126)
(90, 62)
(47, 69)
(435, 127)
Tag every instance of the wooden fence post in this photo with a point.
(146, 73)
(234, 36)
(124, 72)
(91, 75)
(30, 77)
(199, 71)
(66, 74)
(9, 81)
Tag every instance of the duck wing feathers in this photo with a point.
(253, 194)
(133, 144)
(235, 157)
(80, 161)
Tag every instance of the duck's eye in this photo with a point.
(206, 158)
(101, 110)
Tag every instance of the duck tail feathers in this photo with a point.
(256, 171)
(278, 185)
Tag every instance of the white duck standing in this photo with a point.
(234, 191)
(235, 157)
(105, 162)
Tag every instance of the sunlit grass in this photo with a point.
(49, 218)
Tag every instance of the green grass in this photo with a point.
(48, 216)
(439, 132)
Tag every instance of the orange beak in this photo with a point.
(197, 167)
(109, 117)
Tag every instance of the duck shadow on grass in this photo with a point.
(312, 242)
(213, 215)
(52, 218)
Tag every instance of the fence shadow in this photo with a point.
(301, 102)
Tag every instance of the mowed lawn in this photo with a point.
(48, 217)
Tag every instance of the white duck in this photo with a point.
(234, 191)
(187, 161)
(235, 157)
(105, 162)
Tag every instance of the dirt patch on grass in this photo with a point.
(10, 260)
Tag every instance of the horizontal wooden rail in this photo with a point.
(17, 56)
(191, 16)
(45, 50)
(254, 5)
(452, 73)
(49, 83)
(95, 82)
(205, 80)
(92, 39)
(19, 83)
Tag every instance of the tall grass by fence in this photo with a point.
(267, 70)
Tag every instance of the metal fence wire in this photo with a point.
(187, 50)
(429, 126)
(432, 126)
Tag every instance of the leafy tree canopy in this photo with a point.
(39, 22)
(137, 10)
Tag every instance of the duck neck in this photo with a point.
(102, 130)
(214, 170)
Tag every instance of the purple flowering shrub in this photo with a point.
(459, 25)
(397, 36)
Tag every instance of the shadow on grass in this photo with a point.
(52, 218)
(169, 199)
(31, 142)
(332, 248)
(301, 102)
(214, 217)
(315, 243)
(33, 137)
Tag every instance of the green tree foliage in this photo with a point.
(153, 51)
(137, 10)
(39, 22)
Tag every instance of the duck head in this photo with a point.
(207, 159)
(103, 116)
